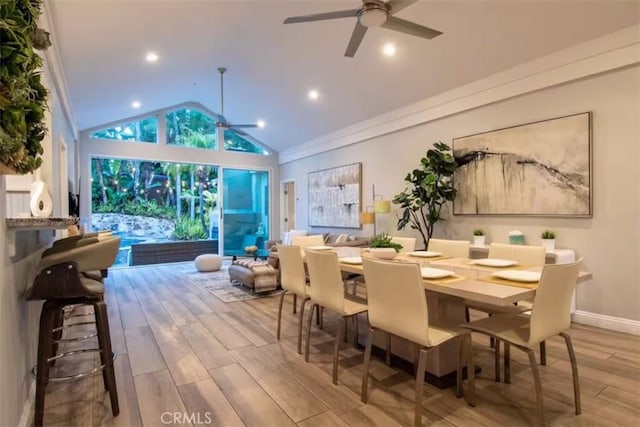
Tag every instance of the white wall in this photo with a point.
(609, 241)
(19, 319)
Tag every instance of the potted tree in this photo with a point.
(548, 240)
(478, 237)
(429, 188)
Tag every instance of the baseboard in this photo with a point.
(26, 419)
(607, 322)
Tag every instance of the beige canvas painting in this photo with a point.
(541, 168)
(335, 196)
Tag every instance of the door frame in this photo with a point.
(283, 202)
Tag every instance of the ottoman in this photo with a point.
(208, 262)
(257, 275)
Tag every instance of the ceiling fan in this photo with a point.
(373, 13)
(222, 121)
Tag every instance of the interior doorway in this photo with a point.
(288, 206)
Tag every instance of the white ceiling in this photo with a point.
(272, 66)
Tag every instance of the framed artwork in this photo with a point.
(335, 196)
(539, 169)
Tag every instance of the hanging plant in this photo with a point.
(23, 97)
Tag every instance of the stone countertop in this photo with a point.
(40, 223)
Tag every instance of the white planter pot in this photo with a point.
(478, 240)
(549, 244)
(382, 253)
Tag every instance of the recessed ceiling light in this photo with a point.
(313, 94)
(151, 57)
(136, 104)
(389, 49)
(261, 123)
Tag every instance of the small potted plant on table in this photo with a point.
(478, 237)
(548, 240)
(382, 247)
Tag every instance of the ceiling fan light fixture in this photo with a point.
(373, 16)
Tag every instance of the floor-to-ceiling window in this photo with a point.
(245, 204)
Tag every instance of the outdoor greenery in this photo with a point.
(189, 229)
(145, 130)
(384, 241)
(23, 97)
(429, 188)
(155, 189)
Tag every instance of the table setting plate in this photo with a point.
(494, 262)
(435, 273)
(351, 260)
(424, 254)
(518, 275)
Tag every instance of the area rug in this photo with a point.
(218, 283)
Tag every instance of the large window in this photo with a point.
(191, 128)
(147, 202)
(233, 141)
(145, 130)
(246, 209)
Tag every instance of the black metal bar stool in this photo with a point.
(61, 284)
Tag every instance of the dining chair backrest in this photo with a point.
(327, 288)
(292, 276)
(306, 241)
(452, 248)
(551, 313)
(408, 243)
(396, 299)
(531, 256)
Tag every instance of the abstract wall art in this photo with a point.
(335, 196)
(541, 168)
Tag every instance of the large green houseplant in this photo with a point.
(429, 188)
(23, 97)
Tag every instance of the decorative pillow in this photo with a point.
(342, 238)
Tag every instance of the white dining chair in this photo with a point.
(408, 243)
(452, 248)
(294, 281)
(327, 291)
(306, 241)
(398, 305)
(525, 256)
(550, 316)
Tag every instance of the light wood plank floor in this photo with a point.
(182, 350)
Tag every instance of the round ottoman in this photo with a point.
(208, 262)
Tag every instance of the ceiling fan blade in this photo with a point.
(356, 38)
(234, 126)
(238, 131)
(408, 27)
(396, 6)
(322, 16)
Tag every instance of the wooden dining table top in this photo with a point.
(470, 281)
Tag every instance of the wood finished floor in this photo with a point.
(180, 349)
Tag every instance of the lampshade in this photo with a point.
(382, 206)
(367, 218)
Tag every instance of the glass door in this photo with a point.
(245, 215)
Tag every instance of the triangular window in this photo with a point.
(233, 141)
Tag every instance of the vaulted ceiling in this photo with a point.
(272, 66)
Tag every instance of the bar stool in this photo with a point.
(60, 284)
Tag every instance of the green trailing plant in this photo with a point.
(548, 234)
(478, 232)
(384, 241)
(23, 97)
(429, 188)
(189, 229)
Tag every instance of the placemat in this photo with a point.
(499, 281)
(445, 280)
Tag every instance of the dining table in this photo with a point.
(447, 297)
